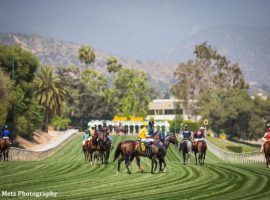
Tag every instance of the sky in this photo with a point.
(138, 29)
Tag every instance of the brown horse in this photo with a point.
(4, 149)
(134, 149)
(94, 145)
(266, 148)
(200, 148)
(85, 149)
(105, 147)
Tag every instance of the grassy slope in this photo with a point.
(67, 173)
(232, 146)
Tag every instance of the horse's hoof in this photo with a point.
(117, 172)
(91, 163)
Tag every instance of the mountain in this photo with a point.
(248, 46)
(60, 53)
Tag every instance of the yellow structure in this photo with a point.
(223, 136)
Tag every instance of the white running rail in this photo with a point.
(45, 151)
(253, 157)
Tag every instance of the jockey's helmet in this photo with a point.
(186, 126)
(104, 122)
(6, 126)
(145, 124)
(202, 128)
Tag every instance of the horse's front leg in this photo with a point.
(91, 157)
(163, 160)
(119, 163)
(160, 165)
(152, 164)
(138, 160)
(196, 157)
(127, 162)
(156, 163)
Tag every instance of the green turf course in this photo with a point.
(67, 173)
(232, 146)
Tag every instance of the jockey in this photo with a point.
(6, 133)
(151, 127)
(106, 130)
(199, 135)
(186, 134)
(143, 136)
(86, 136)
(265, 138)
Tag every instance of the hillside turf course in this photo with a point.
(67, 173)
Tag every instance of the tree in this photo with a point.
(50, 92)
(23, 113)
(86, 55)
(130, 94)
(5, 96)
(87, 95)
(208, 71)
(235, 112)
(112, 65)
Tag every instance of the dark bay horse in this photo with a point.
(186, 148)
(4, 149)
(133, 149)
(266, 148)
(105, 147)
(163, 146)
(200, 148)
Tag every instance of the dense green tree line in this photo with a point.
(32, 96)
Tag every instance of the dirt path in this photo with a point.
(45, 141)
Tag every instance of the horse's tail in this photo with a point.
(117, 151)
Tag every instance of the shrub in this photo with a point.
(60, 123)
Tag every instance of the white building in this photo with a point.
(167, 109)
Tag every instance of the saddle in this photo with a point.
(145, 145)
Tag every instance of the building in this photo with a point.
(168, 109)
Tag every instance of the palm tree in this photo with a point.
(49, 91)
(112, 65)
(86, 55)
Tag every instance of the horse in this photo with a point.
(85, 149)
(163, 146)
(186, 148)
(4, 149)
(134, 149)
(266, 148)
(200, 148)
(120, 129)
(105, 146)
(94, 145)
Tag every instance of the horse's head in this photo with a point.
(173, 140)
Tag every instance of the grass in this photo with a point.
(67, 173)
(232, 146)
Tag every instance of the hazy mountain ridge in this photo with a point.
(60, 53)
(248, 46)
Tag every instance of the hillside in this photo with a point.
(248, 46)
(60, 53)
